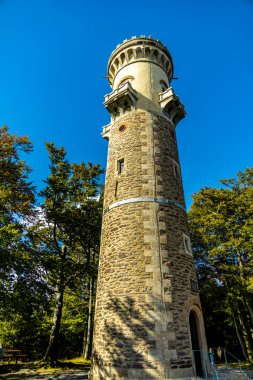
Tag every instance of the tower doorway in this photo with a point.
(195, 344)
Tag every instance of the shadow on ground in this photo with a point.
(66, 375)
(67, 371)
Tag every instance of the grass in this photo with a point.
(68, 364)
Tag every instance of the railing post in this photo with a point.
(238, 361)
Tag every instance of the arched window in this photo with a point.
(147, 52)
(138, 53)
(123, 58)
(116, 63)
(130, 54)
(155, 55)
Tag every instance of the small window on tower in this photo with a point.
(122, 128)
(187, 244)
(176, 170)
(194, 286)
(121, 166)
(116, 189)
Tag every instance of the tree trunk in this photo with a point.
(249, 306)
(247, 297)
(246, 333)
(52, 351)
(239, 335)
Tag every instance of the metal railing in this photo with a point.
(219, 361)
(227, 360)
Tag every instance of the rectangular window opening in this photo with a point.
(194, 286)
(121, 166)
(176, 170)
(187, 244)
(116, 189)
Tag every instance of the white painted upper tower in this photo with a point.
(141, 66)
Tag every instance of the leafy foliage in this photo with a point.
(66, 235)
(48, 252)
(23, 299)
(221, 227)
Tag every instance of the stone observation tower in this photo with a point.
(148, 322)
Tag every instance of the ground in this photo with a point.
(74, 369)
(33, 375)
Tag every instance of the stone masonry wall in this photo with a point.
(144, 287)
(148, 146)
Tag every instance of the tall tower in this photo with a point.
(148, 322)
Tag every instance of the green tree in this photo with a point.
(67, 231)
(16, 200)
(20, 292)
(25, 308)
(221, 230)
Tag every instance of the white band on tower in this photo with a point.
(144, 199)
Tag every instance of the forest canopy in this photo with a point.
(49, 244)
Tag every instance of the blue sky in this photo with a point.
(53, 61)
